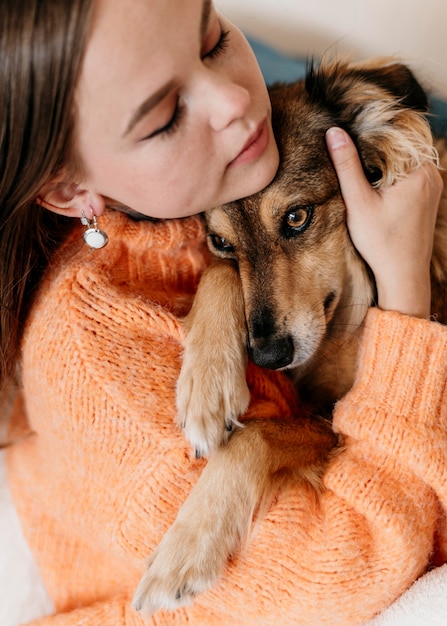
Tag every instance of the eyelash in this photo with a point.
(220, 46)
(177, 116)
(173, 123)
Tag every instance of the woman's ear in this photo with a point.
(71, 200)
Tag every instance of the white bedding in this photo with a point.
(22, 594)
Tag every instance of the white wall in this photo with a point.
(416, 30)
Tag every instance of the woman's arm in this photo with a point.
(373, 533)
(113, 469)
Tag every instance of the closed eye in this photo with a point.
(172, 124)
(219, 47)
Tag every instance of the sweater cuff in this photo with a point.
(401, 376)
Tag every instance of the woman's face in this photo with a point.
(173, 113)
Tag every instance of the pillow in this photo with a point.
(278, 67)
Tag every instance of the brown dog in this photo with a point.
(289, 285)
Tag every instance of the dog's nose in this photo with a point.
(273, 353)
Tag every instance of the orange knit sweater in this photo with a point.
(101, 477)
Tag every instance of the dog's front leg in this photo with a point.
(240, 478)
(212, 390)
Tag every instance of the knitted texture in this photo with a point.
(102, 476)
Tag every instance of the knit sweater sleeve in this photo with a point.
(379, 521)
(101, 479)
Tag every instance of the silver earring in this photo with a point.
(94, 237)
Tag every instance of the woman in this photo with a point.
(123, 105)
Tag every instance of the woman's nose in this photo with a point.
(224, 101)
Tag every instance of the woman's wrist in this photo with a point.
(410, 296)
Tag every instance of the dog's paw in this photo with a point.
(210, 400)
(178, 571)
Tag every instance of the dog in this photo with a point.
(288, 287)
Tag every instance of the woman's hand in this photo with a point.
(392, 228)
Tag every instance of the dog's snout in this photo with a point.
(262, 323)
(269, 348)
(273, 353)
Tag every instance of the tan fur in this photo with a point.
(216, 518)
(288, 283)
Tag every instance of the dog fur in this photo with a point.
(288, 285)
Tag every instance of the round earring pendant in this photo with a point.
(95, 238)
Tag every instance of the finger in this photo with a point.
(355, 189)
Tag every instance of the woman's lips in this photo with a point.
(254, 147)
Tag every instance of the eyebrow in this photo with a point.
(161, 93)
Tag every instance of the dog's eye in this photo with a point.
(297, 219)
(220, 244)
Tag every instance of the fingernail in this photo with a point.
(336, 138)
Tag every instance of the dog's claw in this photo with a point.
(208, 418)
(179, 570)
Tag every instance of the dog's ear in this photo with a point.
(329, 82)
(400, 81)
(383, 107)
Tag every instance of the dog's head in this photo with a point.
(304, 284)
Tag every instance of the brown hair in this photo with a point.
(41, 48)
